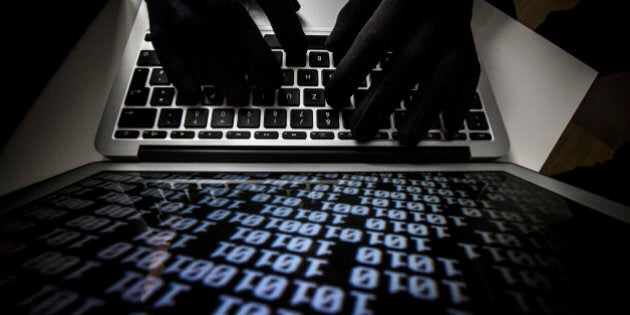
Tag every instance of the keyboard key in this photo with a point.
(327, 75)
(248, 118)
(137, 97)
(210, 135)
(289, 97)
(307, 77)
(148, 58)
(147, 37)
(480, 136)
(432, 136)
(137, 118)
(261, 97)
(266, 135)
(327, 119)
(139, 78)
(322, 135)
(279, 56)
(170, 118)
(301, 119)
(477, 121)
(275, 118)
(319, 59)
(316, 41)
(239, 135)
(196, 118)
(222, 118)
(294, 135)
(127, 134)
(381, 136)
(158, 77)
(162, 96)
(211, 96)
(178, 134)
(288, 77)
(345, 135)
(314, 97)
(154, 134)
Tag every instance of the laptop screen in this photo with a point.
(309, 243)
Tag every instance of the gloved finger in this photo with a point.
(350, 21)
(443, 89)
(463, 87)
(173, 35)
(241, 50)
(414, 60)
(383, 30)
(286, 24)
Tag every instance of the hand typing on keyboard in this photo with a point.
(432, 46)
(217, 40)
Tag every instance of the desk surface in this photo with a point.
(537, 85)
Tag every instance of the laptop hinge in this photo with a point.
(249, 154)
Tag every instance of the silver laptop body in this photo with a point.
(118, 138)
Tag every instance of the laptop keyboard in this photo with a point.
(297, 111)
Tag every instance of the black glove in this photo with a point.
(433, 46)
(218, 39)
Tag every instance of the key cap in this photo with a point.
(158, 77)
(127, 134)
(327, 119)
(346, 116)
(178, 134)
(476, 104)
(170, 118)
(222, 118)
(238, 135)
(211, 96)
(289, 97)
(196, 118)
(275, 118)
(307, 77)
(314, 97)
(148, 58)
(316, 41)
(480, 136)
(154, 134)
(272, 41)
(477, 121)
(327, 75)
(137, 118)
(288, 77)
(279, 56)
(248, 118)
(210, 135)
(301, 119)
(260, 97)
(162, 96)
(294, 135)
(319, 59)
(137, 97)
(322, 135)
(139, 78)
(266, 135)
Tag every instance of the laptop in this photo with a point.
(143, 122)
(212, 238)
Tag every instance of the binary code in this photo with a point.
(287, 243)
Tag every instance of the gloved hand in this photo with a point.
(218, 39)
(433, 46)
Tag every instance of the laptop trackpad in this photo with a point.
(314, 13)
